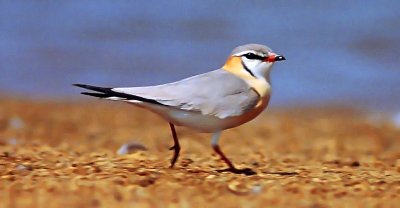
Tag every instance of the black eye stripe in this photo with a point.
(253, 56)
(248, 70)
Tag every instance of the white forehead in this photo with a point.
(257, 49)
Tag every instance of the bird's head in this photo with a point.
(253, 60)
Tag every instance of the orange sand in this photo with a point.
(58, 154)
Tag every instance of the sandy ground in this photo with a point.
(57, 154)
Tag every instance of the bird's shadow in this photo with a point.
(244, 171)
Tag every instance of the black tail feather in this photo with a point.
(99, 95)
(106, 92)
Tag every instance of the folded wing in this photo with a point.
(216, 93)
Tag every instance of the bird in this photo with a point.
(210, 102)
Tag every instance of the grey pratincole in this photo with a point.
(211, 102)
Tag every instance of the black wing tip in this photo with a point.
(94, 88)
(106, 92)
(80, 85)
(83, 86)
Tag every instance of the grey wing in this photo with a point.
(217, 93)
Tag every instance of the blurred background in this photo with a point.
(338, 52)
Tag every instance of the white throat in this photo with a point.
(259, 68)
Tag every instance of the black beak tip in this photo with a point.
(280, 58)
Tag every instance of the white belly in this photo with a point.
(198, 121)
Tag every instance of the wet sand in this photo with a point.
(64, 154)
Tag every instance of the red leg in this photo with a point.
(214, 143)
(176, 147)
(223, 157)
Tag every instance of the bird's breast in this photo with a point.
(250, 115)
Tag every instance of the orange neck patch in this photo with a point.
(234, 66)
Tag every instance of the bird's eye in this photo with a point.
(252, 56)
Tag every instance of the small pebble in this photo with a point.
(237, 187)
(16, 123)
(396, 119)
(21, 167)
(12, 141)
(131, 148)
(256, 189)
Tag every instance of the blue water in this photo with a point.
(340, 52)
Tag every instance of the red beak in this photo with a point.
(274, 57)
